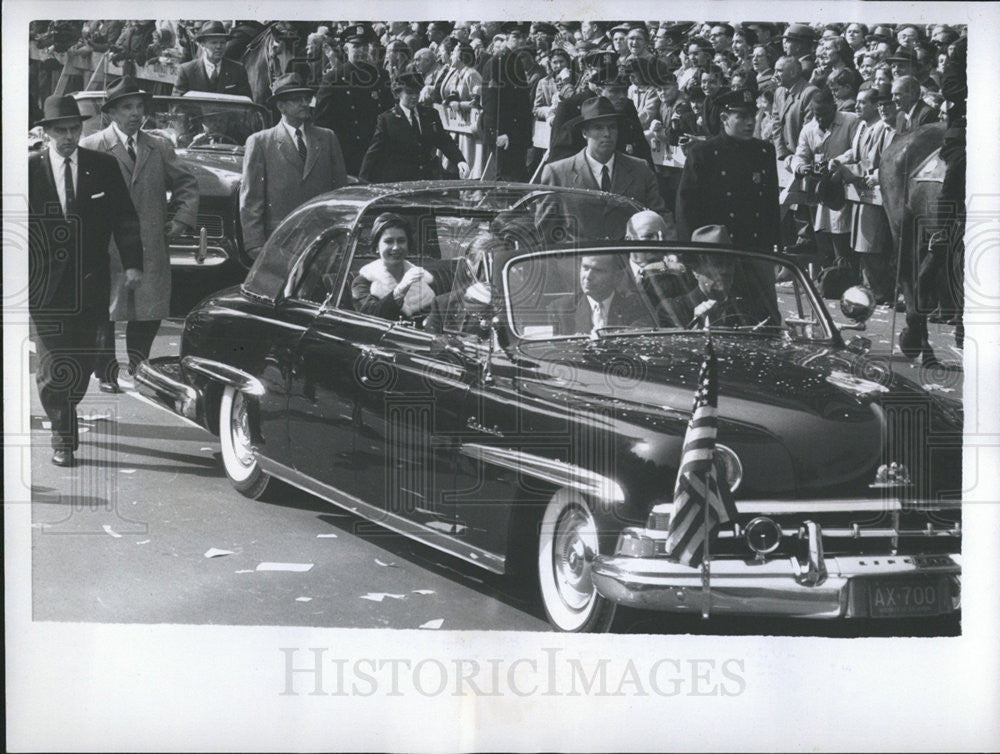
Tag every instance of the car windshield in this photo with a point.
(642, 288)
(221, 123)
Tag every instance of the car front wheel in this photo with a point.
(567, 546)
(236, 439)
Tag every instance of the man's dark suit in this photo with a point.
(69, 276)
(922, 115)
(398, 153)
(573, 314)
(506, 98)
(232, 78)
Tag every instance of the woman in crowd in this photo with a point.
(391, 286)
(461, 84)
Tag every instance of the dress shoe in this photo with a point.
(63, 458)
(107, 386)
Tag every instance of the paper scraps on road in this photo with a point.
(385, 565)
(111, 531)
(379, 596)
(46, 425)
(215, 552)
(244, 570)
(303, 599)
(295, 567)
(423, 591)
(126, 471)
(208, 449)
(433, 624)
(935, 386)
(144, 542)
(326, 536)
(96, 417)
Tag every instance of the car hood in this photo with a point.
(217, 171)
(825, 406)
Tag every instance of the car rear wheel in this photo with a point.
(236, 438)
(567, 546)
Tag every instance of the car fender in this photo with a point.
(224, 374)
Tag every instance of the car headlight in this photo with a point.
(730, 465)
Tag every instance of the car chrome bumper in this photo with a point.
(160, 381)
(187, 254)
(834, 587)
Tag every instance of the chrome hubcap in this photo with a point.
(240, 431)
(573, 553)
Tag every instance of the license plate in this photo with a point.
(893, 598)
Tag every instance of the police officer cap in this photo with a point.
(800, 31)
(738, 101)
(611, 75)
(540, 27)
(358, 34)
(514, 27)
(410, 80)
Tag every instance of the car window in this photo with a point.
(315, 277)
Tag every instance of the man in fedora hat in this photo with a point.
(211, 71)
(799, 41)
(407, 139)
(600, 166)
(732, 180)
(151, 170)
(286, 165)
(77, 200)
(351, 98)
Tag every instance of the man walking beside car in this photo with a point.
(286, 165)
(211, 71)
(76, 200)
(151, 171)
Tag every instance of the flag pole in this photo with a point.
(706, 568)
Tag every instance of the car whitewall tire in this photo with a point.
(567, 546)
(236, 440)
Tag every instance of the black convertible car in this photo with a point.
(502, 427)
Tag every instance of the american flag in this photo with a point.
(698, 484)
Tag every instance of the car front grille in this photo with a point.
(213, 225)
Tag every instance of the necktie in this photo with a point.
(599, 319)
(130, 148)
(605, 179)
(70, 190)
(300, 143)
(414, 123)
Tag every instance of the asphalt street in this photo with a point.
(147, 529)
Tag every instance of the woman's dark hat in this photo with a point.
(388, 220)
(58, 108)
(287, 84)
(126, 86)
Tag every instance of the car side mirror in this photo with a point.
(857, 304)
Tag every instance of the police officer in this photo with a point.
(350, 100)
(732, 180)
(507, 121)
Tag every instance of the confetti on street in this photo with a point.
(379, 596)
(384, 564)
(214, 552)
(433, 624)
(303, 599)
(423, 591)
(107, 528)
(326, 536)
(294, 567)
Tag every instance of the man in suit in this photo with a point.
(77, 200)
(286, 165)
(913, 111)
(799, 41)
(604, 299)
(407, 139)
(211, 71)
(351, 98)
(150, 169)
(599, 166)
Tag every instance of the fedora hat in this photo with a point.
(126, 86)
(59, 108)
(903, 55)
(880, 34)
(713, 234)
(211, 29)
(286, 84)
(595, 108)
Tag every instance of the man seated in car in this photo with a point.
(723, 292)
(605, 300)
(467, 304)
(214, 130)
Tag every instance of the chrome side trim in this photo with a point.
(183, 255)
(163, 391)
(845, 505)
(548, 470)
(224, 373)
(391, 521)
